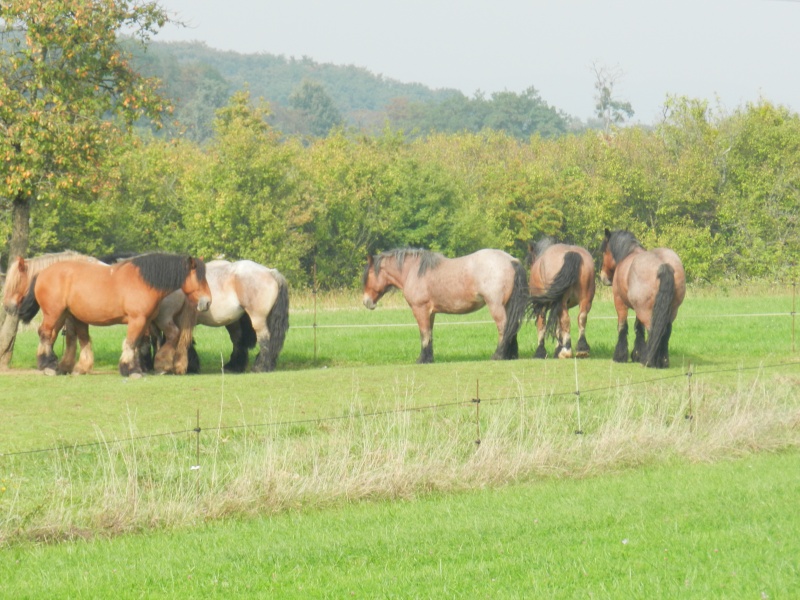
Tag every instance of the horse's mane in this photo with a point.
(428, 260)
(537, 249)
(166, 272)
(35, 265)
(621, 243)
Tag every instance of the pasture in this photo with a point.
(356, 470)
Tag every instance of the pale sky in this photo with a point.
(728, 52)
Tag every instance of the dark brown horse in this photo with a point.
(653, 284)
(562, 276)
(98, 294)
(434, 284)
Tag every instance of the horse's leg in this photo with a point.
(582, 350)
(164, 361)
(498, 312)
(240, 355)
(128, 362)
(425, 321)
(46, 359)
(67, 362)
(637, 354)
(86, 360)
(541, 352)
(563, 333)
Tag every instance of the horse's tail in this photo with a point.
(550, 302)
(29, 306)
(278, 319)
(515, 312)
(656, 352)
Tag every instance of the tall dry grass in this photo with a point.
(113, 487)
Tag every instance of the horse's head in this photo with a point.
(16, 285)
(608, 263)
(376, 283)
(195, 286)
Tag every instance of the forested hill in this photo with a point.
(310, 98)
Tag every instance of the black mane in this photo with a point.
(537, 249)
(167, 272)
(621, 243)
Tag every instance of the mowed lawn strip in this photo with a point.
(724, 530)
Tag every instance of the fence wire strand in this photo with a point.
(374, 414)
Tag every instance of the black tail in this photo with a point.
(278, 320)
(515, 313)
(550, 301)
(29, 306)
(656, 353)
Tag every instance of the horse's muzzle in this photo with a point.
(11, 308)
(369, 303)
(604, 278)
(203, 304)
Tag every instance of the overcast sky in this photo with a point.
(726, 51)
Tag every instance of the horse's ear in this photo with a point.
(370, 261)
(192, 263)
(21, 264)
(608, 233)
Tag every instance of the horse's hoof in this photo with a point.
(565, 353)
(582, 354)
(135, 376)
(50, 371)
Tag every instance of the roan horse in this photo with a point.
(99, 294)
(434, 284)
(653, 284)
(562, 276)
(251, 301)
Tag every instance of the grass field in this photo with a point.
(287, 460)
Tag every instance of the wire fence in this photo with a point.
(475, 402)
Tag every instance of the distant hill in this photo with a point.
(199, 80)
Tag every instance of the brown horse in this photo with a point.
(98, 294)
(434, 284)
(653, 284)
(562, 276)
(20, 273)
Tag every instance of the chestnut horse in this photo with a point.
(562, 276)
(434, 284)
(653, 284)
(99, 294)
(250, 300)
(18, 278)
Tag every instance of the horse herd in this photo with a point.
(161, 297)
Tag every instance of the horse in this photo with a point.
(561, 277)
(97, 294)
(250, 300)
(653, 284)
(432, 283)
(18, 278)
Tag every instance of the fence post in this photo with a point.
(579, 430)
(794, 311)
(314, 296)
(196, 466)
(689, 416)
(477, 401)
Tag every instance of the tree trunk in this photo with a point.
(18, 246)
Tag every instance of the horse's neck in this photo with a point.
(397, 276)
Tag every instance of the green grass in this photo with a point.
(310, 442)
(724, 530)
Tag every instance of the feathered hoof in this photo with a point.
(50, 371)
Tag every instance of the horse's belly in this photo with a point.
(220, 313)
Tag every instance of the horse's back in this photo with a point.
(643, 276)
(237, 287)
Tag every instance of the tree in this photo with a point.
(64, 78)
(316, 107)
(610, 110)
